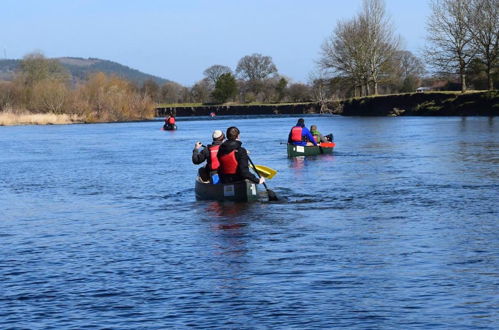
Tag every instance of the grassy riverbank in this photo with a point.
(476, 103)
(480, 103)
(26, 118)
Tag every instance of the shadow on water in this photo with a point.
(300, 162)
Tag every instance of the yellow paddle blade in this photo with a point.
(265, 171)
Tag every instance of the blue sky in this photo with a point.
(179, 39)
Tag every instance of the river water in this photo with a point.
(398, 228)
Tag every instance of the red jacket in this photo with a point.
(234, 163)
(296, 134)
(213, 162)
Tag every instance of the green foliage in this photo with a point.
(225, 88)
(281, 89)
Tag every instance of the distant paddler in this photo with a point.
(170, 123)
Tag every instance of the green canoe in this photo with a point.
(325, 148)
(244, 191)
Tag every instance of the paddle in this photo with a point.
(265, 171)
(270, 193)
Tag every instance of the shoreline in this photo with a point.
(26, 118)
(8, 118)
(481, 103)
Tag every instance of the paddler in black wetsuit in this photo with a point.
(234, 160)
(208, 173)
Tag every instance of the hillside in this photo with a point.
(80, 68)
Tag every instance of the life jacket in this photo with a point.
(296, 135)
(228, 163)
(171, 120)
(316, 135)
(214, 162)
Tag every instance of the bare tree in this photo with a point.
(483, 24)
(299, 92)
(151, 89)
(201, 91)
(256, 67)
(407, 71)
(36, 67)
(362, 47)
(379, 39)
(321, 89)
(342, 53)
(50, 96)
(450, 41)
(7, 95)
(215, 71)
(410, 65)
(171, 92)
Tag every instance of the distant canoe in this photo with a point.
(168, 127)
(324, 148)
(244, 191)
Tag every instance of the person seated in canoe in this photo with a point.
(209, 172)
(169, 122)
(300, 135)
(234, 160)
(317, 135)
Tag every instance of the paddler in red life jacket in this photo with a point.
(169, 121)
(234, 160)
(208, 173)
(300, 135)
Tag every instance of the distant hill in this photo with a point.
(80, 68)
(8, 68)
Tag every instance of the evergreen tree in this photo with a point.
(225, 88)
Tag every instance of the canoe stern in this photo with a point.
(244, 191)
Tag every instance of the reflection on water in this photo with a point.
(227, 209)
(297, 163)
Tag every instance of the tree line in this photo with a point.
(255, 79)
(362, 56)
(462, 40)
(463, 37)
